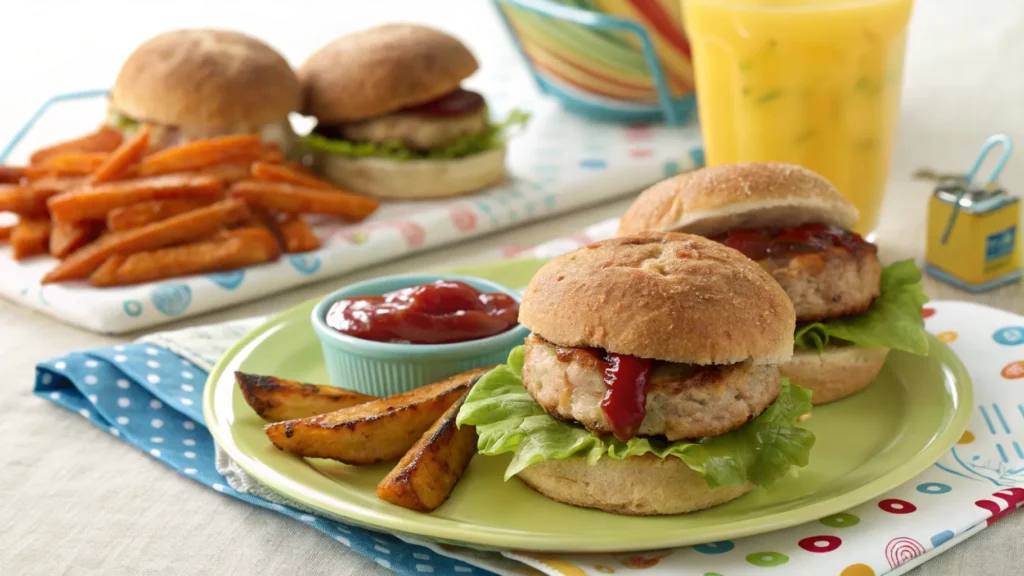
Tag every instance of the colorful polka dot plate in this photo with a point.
(867, 445)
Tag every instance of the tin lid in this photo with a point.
(974, 200)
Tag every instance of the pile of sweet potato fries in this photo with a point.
(118, 211)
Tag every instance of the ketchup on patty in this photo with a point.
(443, 312)
(452, 104)
(625, 402)
(759, 243)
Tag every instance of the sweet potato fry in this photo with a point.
(272, 154)
(378, 430)
(277, 399)
(11, 174)
(296, 235)
(301, 200)
(116, 165)
(105, 139)
(5, 232)
(67, 164)
(194, 225)
(30, 199)
(227, 173)
(93, 202)
(425, 477)
(283, 173)
(239, 248)
(201, 154)
(66, 238)
(30, 238)
(143, 213)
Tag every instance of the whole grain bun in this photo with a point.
(638, 486)
(413, 179)
(206, 82)
(665, 296)
(836, 373)
(714, 200)
(382, 70)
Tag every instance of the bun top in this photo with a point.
(664, 296)
(206, 82)
(745, 195)
(381, 70)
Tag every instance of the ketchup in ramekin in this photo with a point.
(442, 312)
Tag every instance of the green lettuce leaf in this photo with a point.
(492, 137)
(507, 419)
(893, 320)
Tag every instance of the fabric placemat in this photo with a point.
(149, 394)
(557, 164)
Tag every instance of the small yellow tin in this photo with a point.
(972, 229)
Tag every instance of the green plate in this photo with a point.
(867, 444)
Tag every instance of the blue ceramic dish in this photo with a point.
(383, 368)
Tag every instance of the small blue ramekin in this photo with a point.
(383, 368)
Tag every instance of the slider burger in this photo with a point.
(650, 382)
(392, 118)
(850, 311)
(194, 84)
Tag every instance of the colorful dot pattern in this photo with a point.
(151, 398)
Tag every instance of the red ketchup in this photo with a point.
(760, 243)
(625, 402)
(443, 312)
(451, 104)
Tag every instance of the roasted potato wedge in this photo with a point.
(277, 399)
(425, 477)
(379, 430)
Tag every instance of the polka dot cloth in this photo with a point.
(152, 399)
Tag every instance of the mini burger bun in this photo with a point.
(836, 373)
(381, 70)
(637, 486)
(665, 296)
(413, 179)
(206, 82)
(715, 200)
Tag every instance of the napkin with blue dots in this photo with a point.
(151, 397)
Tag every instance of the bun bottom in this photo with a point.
(637, 486)
(835, 373)
(413, 179)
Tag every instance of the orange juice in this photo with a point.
(810, 82)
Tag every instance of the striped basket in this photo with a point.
(617, 60)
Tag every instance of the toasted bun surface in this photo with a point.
(672, 297)
(206, 82)
(639, 486)
(381, 70)
(413, 179)
(836, 373)
(714, 200)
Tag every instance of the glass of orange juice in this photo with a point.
(809, 82)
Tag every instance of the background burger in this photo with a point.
(850, 311)
(191, 84)
(392, 118)
(650, 382)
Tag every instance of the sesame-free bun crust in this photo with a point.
(206, 82)
(836, 373)
(637, 486)
(665, 296)
(413, 179)
(382, 70)
(714, 200)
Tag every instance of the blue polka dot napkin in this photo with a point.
(151, 397)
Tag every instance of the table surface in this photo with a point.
(75, 501)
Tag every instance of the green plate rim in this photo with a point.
(473, 537)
